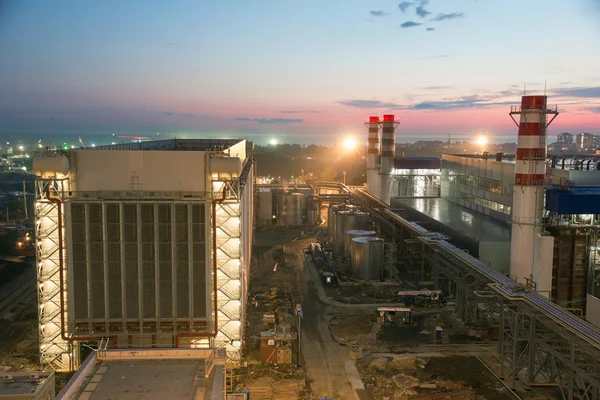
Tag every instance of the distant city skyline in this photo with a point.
(308, 68)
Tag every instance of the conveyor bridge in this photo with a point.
(539, 342)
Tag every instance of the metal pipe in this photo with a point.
(215, 286)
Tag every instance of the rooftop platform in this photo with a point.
(27, 385)
(576, 200)
(483, 236)
(176, 144)
(475, 225)
(153, 374)
(415, 162)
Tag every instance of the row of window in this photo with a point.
(478, 182)
(492, 205)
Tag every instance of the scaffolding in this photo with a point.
(228, 234)
(55, 351)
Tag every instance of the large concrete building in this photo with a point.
(143, 245)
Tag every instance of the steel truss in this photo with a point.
(228, 277)
(535, 347)
(536, 350)
(55, 352)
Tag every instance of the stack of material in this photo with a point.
(269, 389)
(261, 390)
(286, 390)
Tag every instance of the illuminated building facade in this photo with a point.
(143, 245)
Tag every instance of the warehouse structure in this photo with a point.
(143, 245)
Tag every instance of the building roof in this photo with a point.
(414, 162)
(153, 374)
(576, 200)
(175, 144)
(26, 385)
(455, 220)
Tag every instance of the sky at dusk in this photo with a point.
(244, 68)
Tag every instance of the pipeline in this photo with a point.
(215, 286)
(61, 274)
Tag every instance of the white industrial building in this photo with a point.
(143, 245)
(497, 208)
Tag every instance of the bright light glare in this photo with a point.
(482, 140)
(350, 143)
(273, 142)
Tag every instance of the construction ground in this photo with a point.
(346, 353)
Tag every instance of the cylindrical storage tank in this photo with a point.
(265, 207)
(293, 207)
(331, 216)
(351, 220)
(337, 240)
(367, 258)
(351, 234)
(280, 206)
(312, 211)
(357, 220)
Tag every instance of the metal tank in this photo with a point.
(291, 208)
(337, 240)
(265, 207)
(351, 234)
(312, 210)
(350, 220)
(367, 258)
(331, 216)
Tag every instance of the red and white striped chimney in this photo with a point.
(529, 250)
(388, 155)
(373, 156)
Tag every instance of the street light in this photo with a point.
(344, 177)
(350, 143)
(482, 140)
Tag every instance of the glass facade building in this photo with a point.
(485, 186)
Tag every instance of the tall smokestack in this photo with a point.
(373, 156)
(531, 253)
(388, 154)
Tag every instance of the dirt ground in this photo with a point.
(271, 291)
(411, 376)
(278, 281)
(364, 293)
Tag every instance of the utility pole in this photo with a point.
(299, 316)
(25, 199)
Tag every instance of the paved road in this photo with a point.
(325, 359)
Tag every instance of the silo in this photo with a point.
(312, 211)
(367, 258)
(351, 234)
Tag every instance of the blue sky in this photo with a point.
(309, 67)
